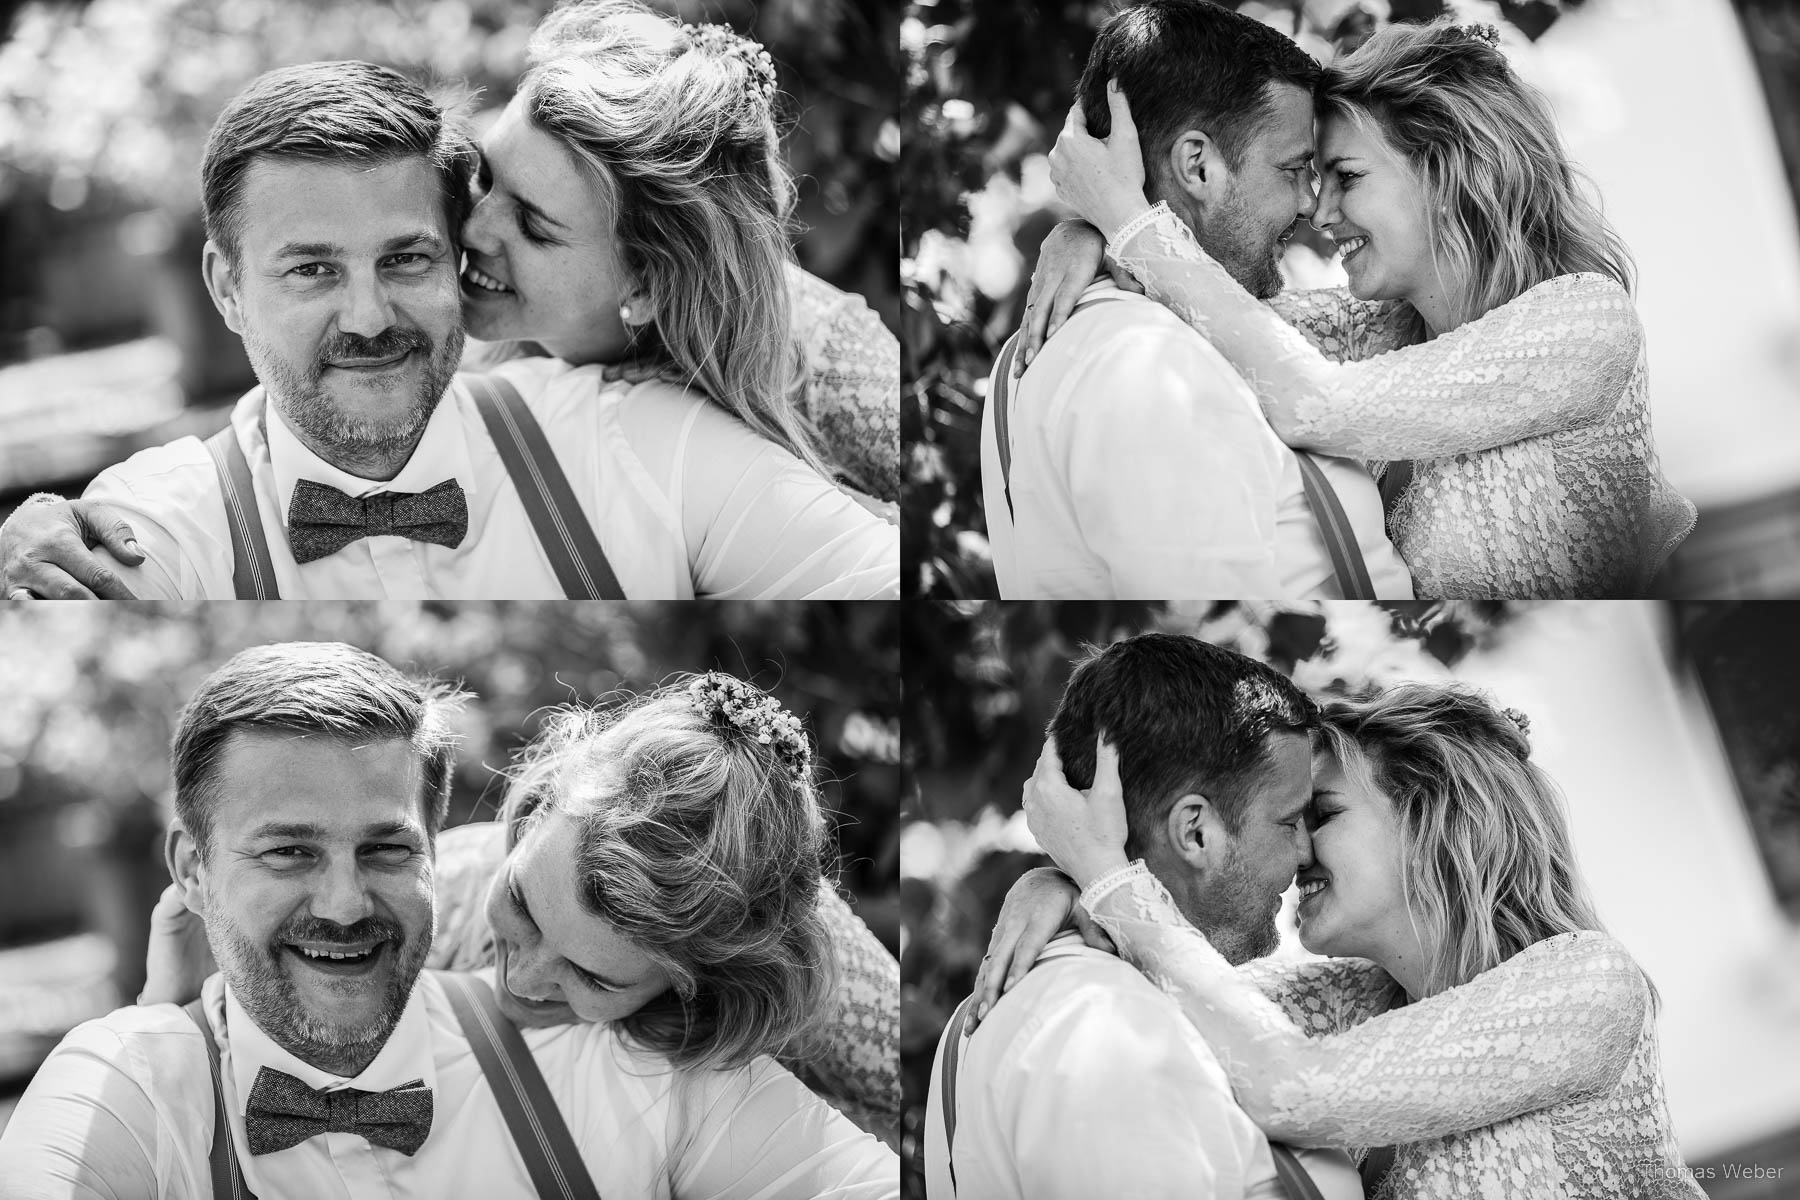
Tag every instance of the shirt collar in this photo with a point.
(404, 1057)
(443, 453)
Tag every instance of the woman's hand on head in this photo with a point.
(44, 551)
(1103, 180)
(180, 957)
(1083, 831)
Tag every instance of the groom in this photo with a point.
(310, 783)
(1131, 461)
(1085, 1079)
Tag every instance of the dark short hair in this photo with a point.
(351, 112)
(1186, 716)
(1190, 64)
(324, 688)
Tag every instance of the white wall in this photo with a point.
(1664, 842)
(1660, 102)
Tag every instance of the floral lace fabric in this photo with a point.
(1534, 471)
(853, 383)
(855, 1064)
(1539, 1078)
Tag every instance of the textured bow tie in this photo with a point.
(284, 1112)
(323, 520)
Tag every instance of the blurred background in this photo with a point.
(108, 341)
(89, 696)
(1715, 232)
(1673, 728)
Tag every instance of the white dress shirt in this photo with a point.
(1086, 1081)
(1142, 469)
(684, 498)
(123, 1108)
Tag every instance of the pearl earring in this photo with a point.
(625, 313)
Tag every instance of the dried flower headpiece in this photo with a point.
(1518, 718)
(730, 702)
(720, 39)
(1487, 35)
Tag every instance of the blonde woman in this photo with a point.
(629, 218)
(657, 866)
(1487, 353)
(1473, 1014)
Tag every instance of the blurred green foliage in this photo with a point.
(89, 696)
(983, 680)
(987, 86)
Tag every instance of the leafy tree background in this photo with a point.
(89, 696)
(987, 86)
(983, 680)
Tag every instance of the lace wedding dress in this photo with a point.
(1534, 472)
(856, 1064)
(1539, 1078)
(853, 383)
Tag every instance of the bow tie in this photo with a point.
(284, 1112)
(323, 520)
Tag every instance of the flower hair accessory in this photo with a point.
(1487, 35)
(1518, 718)
(730, 702)
(718, 39)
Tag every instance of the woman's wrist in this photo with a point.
(1118, 215)
(1129, 229)
(1099, 866)
(1105, 884)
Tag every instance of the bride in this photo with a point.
(655, 146)
(1473, 1015)
(1487, 352)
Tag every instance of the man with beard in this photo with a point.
(310, 783)
(1130, 461)
(1085, 1079)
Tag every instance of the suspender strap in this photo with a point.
(227, 1175)
(252, 570)
(1296, 1184)
(1002, 402)
(1334, 527)
(1001, 399)
(953, 1037)
(531, 1113)
(562, 528)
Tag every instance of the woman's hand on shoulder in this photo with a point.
(1071, 258)
(44, 551)
(1038, 906)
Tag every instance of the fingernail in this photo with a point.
(131, 545)
(981, 1010)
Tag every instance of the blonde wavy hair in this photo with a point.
(1508, 210)
(1487, 864)
(703, 847)
(682, 140)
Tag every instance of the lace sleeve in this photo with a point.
(853, 383)
(1556, 1023)
(1322, 997)
(856, 1061)
(1560, 355)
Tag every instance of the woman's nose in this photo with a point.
(477, 231)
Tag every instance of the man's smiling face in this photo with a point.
(344, 290)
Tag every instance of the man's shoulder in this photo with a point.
(1086, 992)
(176, 470)
(1127, 350)
(127, 1037)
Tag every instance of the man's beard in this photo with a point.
(1231, 235)
(261, 978)
(299, 395)
(1235, 913)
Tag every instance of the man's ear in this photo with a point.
(1195, 832)
(221, 285)
(182, 856)
(1196, 167)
